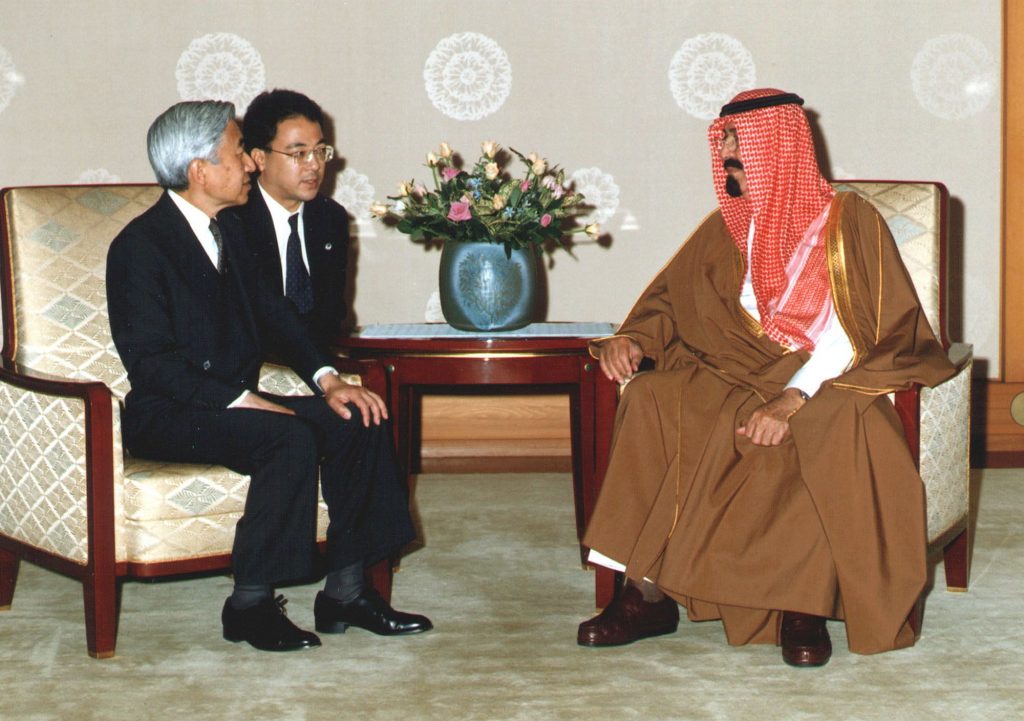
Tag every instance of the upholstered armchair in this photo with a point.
(70, 498)
(936, 421)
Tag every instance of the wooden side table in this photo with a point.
(525, 363)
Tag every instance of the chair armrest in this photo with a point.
(368, 372)
(79, 425)
(96, 395)
(908, 402)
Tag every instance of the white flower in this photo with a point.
(708, 71)
(355, 193)
(433, 313)
(399, 208)
(954, 76)
(599, 191)
(467, 76)
(93, 176)
(10, 79)
(221, 66)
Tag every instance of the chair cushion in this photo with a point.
(913, 212)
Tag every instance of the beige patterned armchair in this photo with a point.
(936, 421)
(70, 499)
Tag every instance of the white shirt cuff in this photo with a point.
(321, 372)
(831, 357)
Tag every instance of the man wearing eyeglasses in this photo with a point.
(191, 319)
(299, 237)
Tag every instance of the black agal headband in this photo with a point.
(767, 101)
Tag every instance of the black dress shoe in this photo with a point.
(265, 626)
(368, 611)
(804, 639)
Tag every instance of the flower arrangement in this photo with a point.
(485, 204)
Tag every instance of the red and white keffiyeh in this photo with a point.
(787, 198)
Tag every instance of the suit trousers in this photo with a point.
(282, 454)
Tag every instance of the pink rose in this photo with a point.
(524, 186)
(545, 220)
(449, 173)
(459, 212)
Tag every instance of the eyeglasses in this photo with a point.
(323, 153)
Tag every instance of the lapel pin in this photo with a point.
(328, 246)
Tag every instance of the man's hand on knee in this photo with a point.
(339, 394)
(620, 357)
(769, 424)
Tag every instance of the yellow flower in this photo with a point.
(593, 230)
(431, 160)
(498, 203)
(539, 165)
(404, 188)
(491, 171)
(379, 209)
(446, 151)
(490, 148)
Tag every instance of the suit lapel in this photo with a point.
(318, 244)
(183, 247)
(236, 270)
(265, 239)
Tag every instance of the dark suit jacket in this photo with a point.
(188, 337)
(326, 237)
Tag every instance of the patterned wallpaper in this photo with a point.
(618, 92)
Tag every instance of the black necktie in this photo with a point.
(296, 285)
(218, 240)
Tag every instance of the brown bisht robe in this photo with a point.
(831, 522)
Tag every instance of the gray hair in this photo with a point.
(182, 133)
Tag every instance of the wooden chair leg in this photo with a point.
(380, 577)
(957, 561)
(8, 577)
(101, 594)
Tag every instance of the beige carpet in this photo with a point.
(500, 577)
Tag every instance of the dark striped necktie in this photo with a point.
(218, 240)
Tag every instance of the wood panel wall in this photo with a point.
(998, 417)
(495, 433)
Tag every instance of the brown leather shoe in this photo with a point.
(629, 618)
(804, 640)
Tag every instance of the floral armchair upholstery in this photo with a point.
(70, 498)
(936, 421)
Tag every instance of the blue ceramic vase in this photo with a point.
(483, 290)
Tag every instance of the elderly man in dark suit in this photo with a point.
(298, 237)
(191, 319)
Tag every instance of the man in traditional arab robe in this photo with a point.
(760, 475)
